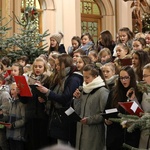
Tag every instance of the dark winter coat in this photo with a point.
(116, 135)
(34, 108)
(36, 117)
(61, 98)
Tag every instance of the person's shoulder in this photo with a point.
(61, 48)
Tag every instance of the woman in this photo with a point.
(55, 40)
(116, 135)
(106, 41)
(60, 95)
(91, 130)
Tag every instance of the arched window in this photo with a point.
(36, 4)
(90, 18)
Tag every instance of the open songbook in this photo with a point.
(23, 86)
(4, 123)
(131, 107)
(27, 90)
(70, 112)
(110, 113)
(37, 92)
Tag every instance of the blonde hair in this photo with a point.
(13, 85)
(105, 50)
(111, 65)
(42, 60)
(139, 35)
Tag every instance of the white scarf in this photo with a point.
(97, 82)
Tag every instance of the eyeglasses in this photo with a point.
(124, 78)
(145, 75)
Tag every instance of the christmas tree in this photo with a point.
(146, 21)
(4, 41)
(29, 41)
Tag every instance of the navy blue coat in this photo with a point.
(59, 123)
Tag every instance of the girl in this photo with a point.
(76, 43)
(125, 37)
(139, 59)
(93, 99)
(16, 130)
(105, 56)
(77, 53)
(116, 135)
(87, 42)
(60, 95)
(109, 73)
(106, 41)
(16, 70)
(36, 117)
(4, 106)
(55, 45)
(147, 38)
(144, 138)
(6, 62)
(23, 60)
(51, 61)
(93, 56)
(138, 44)
(122, 53)
(81, 62)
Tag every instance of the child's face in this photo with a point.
(147, 38)
(75, 44)
(123, 37)
(75, 57)
(124, 78)
(146, 76)
(22, 62)
(15, 71)
(85, 39)
(93, 59)
(107, 72)
(14, 91)
(52, 64)
(135, 60)
(53, 42)
(79, 64)
(104, 57)
(121, 53)
(88, 78)
(26, 69)
(38, 67)
(57, 64)
(136, 45)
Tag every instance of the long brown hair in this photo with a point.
(119, 89)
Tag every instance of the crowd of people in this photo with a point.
(89, 77)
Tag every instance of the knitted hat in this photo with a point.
(57, 36)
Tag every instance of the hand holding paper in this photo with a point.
(110, 113)
(70, 112)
